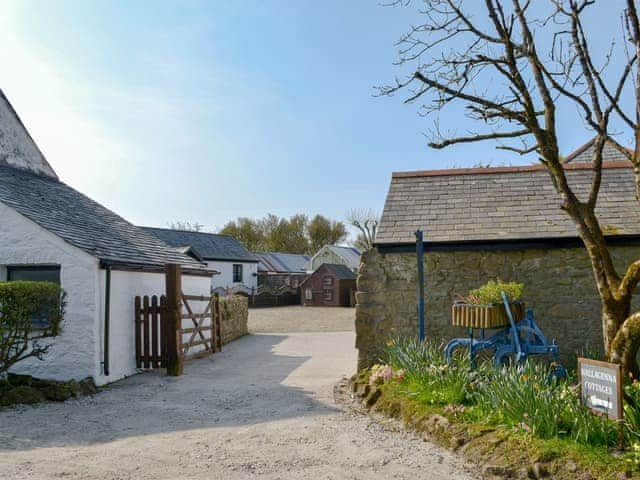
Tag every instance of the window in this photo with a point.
(327, 281)
(237, 272)
(328, 295)
(308, 294)
(34, 274)
(39, 320)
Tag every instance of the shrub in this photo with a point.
(29, 311)
(491, 292)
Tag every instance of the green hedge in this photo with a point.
(20, 302)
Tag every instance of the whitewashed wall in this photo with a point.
(225, 279)
(74, 353)
(125, 286)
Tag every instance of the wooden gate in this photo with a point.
(175, 327)
(150, 328)
(202, 332)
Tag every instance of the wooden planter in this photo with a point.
(484, 316)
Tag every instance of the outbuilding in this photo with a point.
(487, 223)
(237, 267)
(51, 232)
(330, 285)
(337, 255)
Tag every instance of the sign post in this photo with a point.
(420, 258)
(601, 389)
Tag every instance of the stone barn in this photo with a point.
(485, 223)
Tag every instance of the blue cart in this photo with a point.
(515, 341)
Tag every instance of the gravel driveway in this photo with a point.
(302, 319)
(261, 409)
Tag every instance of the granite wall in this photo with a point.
(559, 286)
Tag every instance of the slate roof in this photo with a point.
(585, 153)
(275, 262)
(341, 271)
(209, 246)
(502, 203)
(86, 224)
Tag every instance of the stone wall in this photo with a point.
(559, 286)
(234, 314)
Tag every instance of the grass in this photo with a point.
(528, 413)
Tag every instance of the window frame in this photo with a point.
(237, 272)
(11, 269)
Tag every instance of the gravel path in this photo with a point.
(302, 319)
(261, 409)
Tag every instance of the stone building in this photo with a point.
(485, 223)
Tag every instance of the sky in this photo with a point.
(207, 111)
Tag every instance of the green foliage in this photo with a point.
(521, 397)
(296, 234)
(491, 292)
(525, 397)
(22, 303)
(430, 378)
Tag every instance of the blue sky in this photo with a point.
(206, 111)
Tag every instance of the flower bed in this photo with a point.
(516, 421)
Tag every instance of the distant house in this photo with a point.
(51, 232)
(330, 285)
(487, 223)
(277, 270)
(337, 255)
(237, 266)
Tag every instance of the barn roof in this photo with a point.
(209, 246)
(275, 262)
(502, 203)
(86, 224)
(342, 272)
(350, 255)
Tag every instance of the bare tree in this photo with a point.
(514, 69)
(367, 224)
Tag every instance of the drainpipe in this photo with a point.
(107, 314)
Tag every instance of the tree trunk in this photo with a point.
(625, 345)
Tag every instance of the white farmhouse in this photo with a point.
(237, 266)
(49, 231)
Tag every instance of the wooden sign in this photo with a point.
(601, 387)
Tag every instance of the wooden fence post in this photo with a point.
(173, 313)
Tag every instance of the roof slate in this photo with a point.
(276, 262)
(341, 271)
(210, 246)
(503, 203)
(585, 153)
(85, 223)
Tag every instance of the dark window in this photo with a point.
(39, 320)
(34, 274)
(237, 272)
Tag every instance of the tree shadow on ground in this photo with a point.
(243, 385)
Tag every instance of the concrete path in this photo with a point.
(262, 409)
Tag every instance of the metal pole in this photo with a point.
(420, 258)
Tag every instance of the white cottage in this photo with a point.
(236, 267)
(49, 231)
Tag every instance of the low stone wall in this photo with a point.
(559, 286)
(234, 315)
